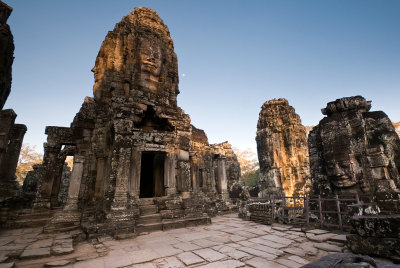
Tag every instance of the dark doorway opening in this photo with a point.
(152, 174)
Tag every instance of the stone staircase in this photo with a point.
(150, 219)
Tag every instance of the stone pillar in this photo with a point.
(74, 184)
(134, 176)
(70, 215)
(222, 184)
(122, 180)
(169, 174)
(55, 190)
(211, 179)
(14, 149)
(50, 171)
(193, 172)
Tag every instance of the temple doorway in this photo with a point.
(152, 174)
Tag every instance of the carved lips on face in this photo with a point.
(340, 174)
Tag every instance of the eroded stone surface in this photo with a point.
(163, 249)
(353, 150)
(139, 165)
(357, 152)
(282, 148)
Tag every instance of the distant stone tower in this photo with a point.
(282, 149)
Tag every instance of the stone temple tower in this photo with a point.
(282, 149)
(132, 144)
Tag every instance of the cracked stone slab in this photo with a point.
(205, 243)
(5, 241)
(166, 250)
(318, 231)
(295, 251)
(258, 253)
(209, 254)
(170, 262)
(338, 238)
(186, 246)
(223, 248)
(223, 264)
(237, 238)
(321, 237)
(288, 263)
(298, 259)
(238, 255)
(57, 263)
(44, 243)
(328, 247)
(258, 262)
(35, 253)
(7, 265)
(267, 249)
(62, 246)
(189, 258)
(278, 239)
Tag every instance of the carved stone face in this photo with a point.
(150, 62)
(342, 172)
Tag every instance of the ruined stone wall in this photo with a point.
(207, 156)
(29, 187)
(282, 148)
(353, 150)
(232, 164)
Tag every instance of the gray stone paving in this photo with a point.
(227, 242)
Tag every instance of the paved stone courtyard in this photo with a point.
(228, 242)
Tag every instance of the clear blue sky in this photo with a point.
(232, 57)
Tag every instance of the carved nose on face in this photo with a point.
(338, 170)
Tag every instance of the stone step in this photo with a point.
(146, 201)
(149, 209)
(28, 223)
(153, 218)
(60, 228)
(35, 215)
(149, 227)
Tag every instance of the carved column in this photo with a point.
(50, 171)
(222, 184)
(211, 180)
(122, 180)
(193, 172)
(70, 214)
(59, 167)
(169, 175)
(134, 176)
(75, 183)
